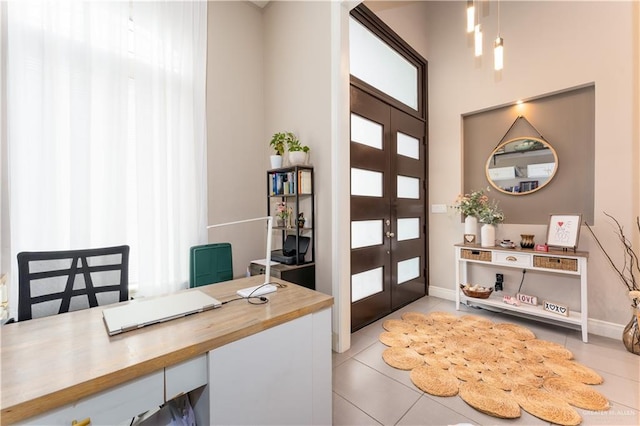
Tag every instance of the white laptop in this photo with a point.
(140, 313)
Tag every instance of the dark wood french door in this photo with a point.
(388, 220)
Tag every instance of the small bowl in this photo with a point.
(477, 294)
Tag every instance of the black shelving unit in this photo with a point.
(294, 186)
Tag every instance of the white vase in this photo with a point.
(276, 161)
(487, 235)
(471, 228)
(297, 158)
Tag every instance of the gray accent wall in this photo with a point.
(567, 122)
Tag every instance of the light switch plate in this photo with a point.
(438, 208)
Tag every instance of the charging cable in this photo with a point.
(524, 271)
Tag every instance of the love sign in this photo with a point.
(525, 298)
(556, 308)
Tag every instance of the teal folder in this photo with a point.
(210, 263)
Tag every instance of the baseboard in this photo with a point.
(442, 293)
(596, 327)
(605, 329)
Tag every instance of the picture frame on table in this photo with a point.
(564, 230)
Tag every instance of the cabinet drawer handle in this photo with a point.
(85, 422)
(511, 258)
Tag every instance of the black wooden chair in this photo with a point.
(54, 282)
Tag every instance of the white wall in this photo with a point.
(237, 155)
(549, 47)
(281, 68)
(297, 46)
(297, 83)
(5, 247)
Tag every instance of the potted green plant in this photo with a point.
(297, 151)
(278, 143)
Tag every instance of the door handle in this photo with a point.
(390, 234)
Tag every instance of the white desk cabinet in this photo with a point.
(556, 262)
(279, 376)
(259, 363)
(110, 407)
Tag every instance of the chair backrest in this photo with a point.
(210, 263)
(54, 282)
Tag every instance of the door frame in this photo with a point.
(368, 19)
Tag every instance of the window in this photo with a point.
(106, 131)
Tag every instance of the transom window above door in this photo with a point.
(376, 63)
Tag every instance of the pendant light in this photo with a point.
(471, 16)
(498, 47)
(477, 35)
(498, 53)
(477, 38)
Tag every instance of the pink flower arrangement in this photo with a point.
(282, 210)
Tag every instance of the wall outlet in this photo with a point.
(499, 282)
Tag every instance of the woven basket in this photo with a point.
(476, 294)
(562, 263)
(482, 255)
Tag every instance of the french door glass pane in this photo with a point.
(408, 187)
(365, 284)
(408, 146)
(408, 270)
(366, 233)
(376, 63)
(366, 132)
(408, 228)
(366, 183)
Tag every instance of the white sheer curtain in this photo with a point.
(106, 132)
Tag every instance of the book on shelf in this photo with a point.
(282, 183)
(304, 182)
(285, 183)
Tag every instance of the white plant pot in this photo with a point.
(471, 227)
(488, 235)
(297, 158)
(276, 161)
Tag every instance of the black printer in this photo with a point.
(288, 253)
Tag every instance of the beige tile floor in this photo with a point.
(366, 391)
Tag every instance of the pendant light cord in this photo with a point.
(498, 18)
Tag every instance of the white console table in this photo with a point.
(555, 261)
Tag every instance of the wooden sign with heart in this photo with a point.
(469, 238)
(556, 308)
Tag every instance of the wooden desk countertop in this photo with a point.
(53, 361)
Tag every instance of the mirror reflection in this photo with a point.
(522, 165)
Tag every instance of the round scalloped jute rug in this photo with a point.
(496, 368)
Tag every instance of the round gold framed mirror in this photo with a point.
(522, 165)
